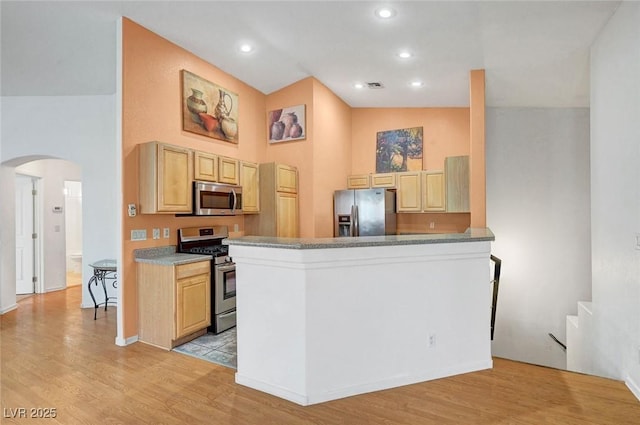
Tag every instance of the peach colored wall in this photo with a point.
(442, 223)
(331, 154)
(152, 111)
(477, 168)
(445, 133)
(297, 153)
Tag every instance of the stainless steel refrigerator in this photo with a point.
(364, 212)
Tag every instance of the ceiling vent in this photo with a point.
(375, 85)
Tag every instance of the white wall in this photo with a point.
(615, 197)
(538, 208)
(52, 173)
(80, 129)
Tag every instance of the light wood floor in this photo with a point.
(54, 355)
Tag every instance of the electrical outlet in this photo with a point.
(432, 225)
(131, 210)
(156, 233)
(139, 235)
(166, 233)
(432, 340)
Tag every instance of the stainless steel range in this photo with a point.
(208, 241)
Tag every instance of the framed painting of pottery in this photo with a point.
(208, 109)
(399, 150)
(286, 124)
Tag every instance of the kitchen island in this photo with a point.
(327, 318)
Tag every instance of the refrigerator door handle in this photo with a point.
(355, 221)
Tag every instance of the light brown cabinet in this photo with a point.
(286, 178)
(250, 182)
(287, 215)
(228, 170)
(358, 181)
(433, 191)
(174, 302)
(165, 176)
(205, 166)
(383, 180)
(456, 173)
(420, 191)
(279, 210)
(409, 191)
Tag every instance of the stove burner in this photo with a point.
(215, 250)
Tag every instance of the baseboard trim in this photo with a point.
(123, 342)
(393, 382)
(8, 309)
(633, 386)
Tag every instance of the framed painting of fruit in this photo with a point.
(208, 109)
(286, 124)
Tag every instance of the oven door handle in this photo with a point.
(226, 267)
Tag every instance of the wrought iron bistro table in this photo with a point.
(103, 270)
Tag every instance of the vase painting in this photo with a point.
(208, 109)
(286, 124)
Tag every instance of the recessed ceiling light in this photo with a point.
(358, 85)
(417, 83)
(404, 54)
(246, 48)
(385, 12)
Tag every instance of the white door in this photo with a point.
(24, 234)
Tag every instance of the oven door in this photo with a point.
(225, 287)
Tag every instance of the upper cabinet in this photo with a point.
(166, 173)
(433, 191)
(358, 181)
(383, 180)
(456, 172)
(228, 170)
(205, 166)
(420, 191)
(250, 182)
(286, 178)
(409, 192)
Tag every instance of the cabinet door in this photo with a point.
(456, 173)
(358, 181)
(383, 180)
(287, 215)
(433, 191)
(174, 179)
(250, 181)
(228, 170)
(205, 166)
(193, 304)
(286, 179)
(409, 192)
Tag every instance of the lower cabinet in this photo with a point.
(174, 302)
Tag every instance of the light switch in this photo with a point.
(156, 233)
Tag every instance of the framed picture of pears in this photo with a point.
(208, 109)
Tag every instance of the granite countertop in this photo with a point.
(167, 256)
(471, 235)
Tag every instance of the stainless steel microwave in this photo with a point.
(216, 199)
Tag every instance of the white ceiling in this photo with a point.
(535, 53)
